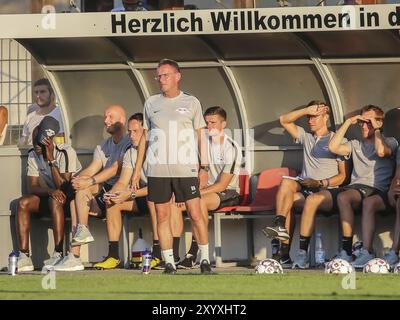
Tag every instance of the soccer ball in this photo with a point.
(338, 266)
(396, 268)
(269, 266)
(376, 265)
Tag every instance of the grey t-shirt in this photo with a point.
(108, 152)
(66, 158)
(368, 168)
(224, 158)
(172, 124)
(318, 162)
(130, 162)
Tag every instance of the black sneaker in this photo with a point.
(169, 269)
(205, 267)
(286, 262)
(188, 263)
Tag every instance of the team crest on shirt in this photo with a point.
(182, 110)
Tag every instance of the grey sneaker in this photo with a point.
(391, 258)
(362, 259)
(276, 232)
(50, 263)
(24, 263)
(301, 260)
(69, 263)
(82, 235)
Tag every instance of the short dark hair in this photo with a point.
(216, 110)
(318, 102)
(169, 62)
(44, 82)
(370, 107)
(137, 116)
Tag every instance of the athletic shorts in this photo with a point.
(161, 189)
(44, 208)
(333, 191)
(228, 198)
(100, 201)
(141, 204)
(367, 191)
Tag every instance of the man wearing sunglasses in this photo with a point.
(373, 166)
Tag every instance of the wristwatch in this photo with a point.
(205, 168)
(133, 196)
(53, 163)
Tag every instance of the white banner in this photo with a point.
(263, 20)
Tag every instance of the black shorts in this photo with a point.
(161, 189)
(228, 198)
(44, 208)
(100, 201)
(141, 204)
(367, 191)
(334, 193)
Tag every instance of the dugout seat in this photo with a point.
(262, 204)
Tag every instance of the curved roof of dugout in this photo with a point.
(256, 63)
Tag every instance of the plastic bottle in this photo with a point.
(138, 249)
(13, 263)
(146, 261)
(319, 251)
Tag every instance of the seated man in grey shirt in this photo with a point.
(316, 187)
(95, 180)
(373, 166)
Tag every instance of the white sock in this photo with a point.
(204, 252)
(168, 256)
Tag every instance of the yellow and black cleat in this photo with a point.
(107, 263)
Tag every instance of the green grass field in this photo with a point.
(127, 284)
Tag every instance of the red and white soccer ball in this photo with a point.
(396, 268)
(269, 266)
(376, 265)
(339, 266)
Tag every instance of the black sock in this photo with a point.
(194, 248)
(304, 242)
(77, 256)
(25, 252)
(285, 248)
(347, 242)
(59, 247)
(175, 247)
(156, 249)
(280, 221)
(113, 249)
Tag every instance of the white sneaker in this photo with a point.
(391, 258)
(69, 263)
(301, 260)
(24, 263)
(50, 263)
(276, 232)
(82, 235)
(362, 259)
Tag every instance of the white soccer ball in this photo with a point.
(376, 265)
(338, 266)
(269, 266)
(396, 268)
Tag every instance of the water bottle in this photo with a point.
(13, 263)
(319, 251)
(146, 261)
(138, 249)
